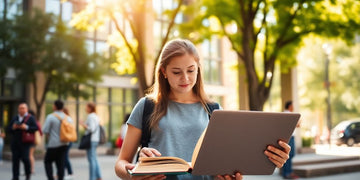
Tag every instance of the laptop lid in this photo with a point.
(235, 142)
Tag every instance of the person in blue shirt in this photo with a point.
(179, 115)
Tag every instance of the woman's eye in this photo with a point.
(176, 72)
(190, 71)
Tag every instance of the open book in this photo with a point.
(161, 165)
(234, 141)
(166, 164)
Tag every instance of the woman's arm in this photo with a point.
(127, 153)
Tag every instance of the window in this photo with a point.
(13, 88)
(58, 8)
(122, 103)
(53, 6)
(218, 99)
(14, 7)
(212, 61)
(161, 21)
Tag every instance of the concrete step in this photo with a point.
(316, 159)
(326, 166)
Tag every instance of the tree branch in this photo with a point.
(243, 13)
(123, 35)
(232, 41)
(172, 22)
(46, 89)
(288, 23)
(263, 22)
(132, 26)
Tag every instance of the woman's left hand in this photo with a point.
(278, 156)
(236, 176)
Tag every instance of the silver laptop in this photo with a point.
(235, 142)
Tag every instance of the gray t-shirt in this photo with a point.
(52, 128)
(178, 132)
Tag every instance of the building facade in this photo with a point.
(116, 95)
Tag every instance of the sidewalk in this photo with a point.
(107, 162)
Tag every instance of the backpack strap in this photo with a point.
(146, 131)
(211, 107)
(149, 108)
(57, 116)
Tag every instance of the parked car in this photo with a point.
(346, 132)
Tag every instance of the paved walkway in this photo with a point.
(80, 168)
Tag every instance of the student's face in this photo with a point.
(22, 109)
(181, 73)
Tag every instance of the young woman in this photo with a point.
(92, 126)
(68, 166)
(33, 146)
(179, 116)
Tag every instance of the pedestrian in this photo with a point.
(180, 107)
(123, 129)
(55, 149)
(33, 146)
(23, 122)
(287, 171)
(2, 136)
(68, 166)
(92, 125)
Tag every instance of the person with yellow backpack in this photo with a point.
(59, 130)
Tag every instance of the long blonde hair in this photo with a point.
(160, 91)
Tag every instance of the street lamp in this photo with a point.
(328, 49)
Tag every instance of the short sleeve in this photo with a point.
(136, 115)
(46, 126)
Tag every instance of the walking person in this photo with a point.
(33, 146)
(180, 108)
(23, 122)
(287, 171)
(68, 166)
(92, 125)
(2, 137)
(55, 149)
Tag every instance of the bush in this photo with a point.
(307, 141)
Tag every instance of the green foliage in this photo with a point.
(344, 78)
(130, 21)
(37, 43)
(263, 32)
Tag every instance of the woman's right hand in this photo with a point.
(147, 177)
(149, 152)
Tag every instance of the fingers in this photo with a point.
(149, 152)
(278, 156)
(237, 176)
(287, 148)
(129, 166)
(149, 177)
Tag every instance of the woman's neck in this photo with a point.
(184, 97)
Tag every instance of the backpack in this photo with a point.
(148, 109)
(67, 130)
(102, 135)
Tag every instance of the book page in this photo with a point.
(197, 148)
(161, 165)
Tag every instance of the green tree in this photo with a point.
(344, 78)
(263, 32)
(132, 51)
(41, 46)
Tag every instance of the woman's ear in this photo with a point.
(163, 72)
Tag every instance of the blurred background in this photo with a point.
(255, 55)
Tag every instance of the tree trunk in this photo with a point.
(39, 103)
